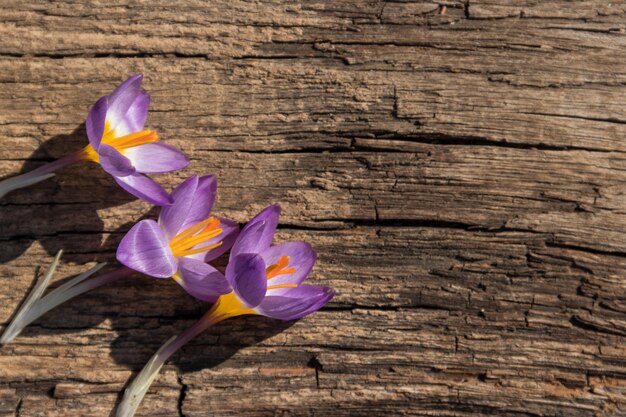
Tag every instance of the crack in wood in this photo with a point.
(458, 166)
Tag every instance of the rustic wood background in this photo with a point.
(460, 167)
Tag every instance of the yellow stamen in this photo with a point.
(203, 236)
(182, 244)
(133, 139)
(191, 230)
(120, 143)
(199, 250)
(275, 287)
(127, 141)
(279, 268)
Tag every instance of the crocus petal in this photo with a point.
(156, 158)
(132, 84)
(230, 230)
(95, 122)
(145, 249)
(257, 235)
(269, 216)
(114, 162)
(192, 202)
(296, 302)
(201, 280)
(120, 102)
(143, 187)
(137, 113)
(246, 274)
(248, 239)
(301, 257)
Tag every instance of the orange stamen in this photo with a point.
(192, 230)
(199, 250)
(200, 237)
(134, 139)
(120, 143)
(279, 268)
(182, 244)
(275, 287)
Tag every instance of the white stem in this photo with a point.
(35, 306)
(74, 287)
(75, 281)
(40, 174)
(18, 182)
(15, 327)
(138, 388)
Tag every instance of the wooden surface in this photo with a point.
(460, 167)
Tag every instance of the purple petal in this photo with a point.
(143, 187)
(201, 280)
(114, 162)
(296, 303)
(137, 113)
(230, 230)
(135, 117)
(95, 122)
(269, 216)
(156, 158)
(248, 240)
(145, 249)
(257, 235)
(246, 274)
(301, 257)
(121, 100)
(132, 83)
(192, 202)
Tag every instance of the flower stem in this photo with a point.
(39, 174)
(36, 306)
(14, 328)
(138, 388)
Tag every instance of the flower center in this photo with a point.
(120, 143)
(229, 305)
(280, 268)
(183, 243)
(131, 140)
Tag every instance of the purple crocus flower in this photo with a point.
(119, 143)
(183, 240)
(266, 280)
(178, 246)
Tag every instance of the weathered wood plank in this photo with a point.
(458, 165)
(575, 196)
(291, 104)
(455, 311)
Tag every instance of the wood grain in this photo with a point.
(459, 166)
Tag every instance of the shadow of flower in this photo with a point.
(56, 210)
